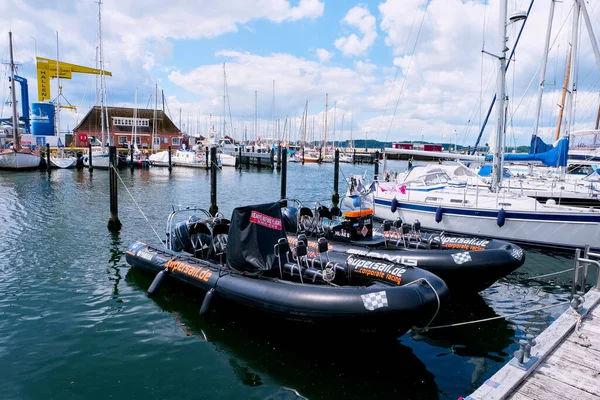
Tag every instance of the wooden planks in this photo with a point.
(541, 387)
(574, 375)
(572, 371)
(509, 380)
(573, 352)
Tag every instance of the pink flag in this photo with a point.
(403, 189)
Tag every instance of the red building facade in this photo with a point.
(121, 123)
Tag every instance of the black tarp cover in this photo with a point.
(253, 233)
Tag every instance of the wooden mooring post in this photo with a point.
(335, 198)
(131, 156)
(213, 209)
(279, 157)
(48, 165)
(91, 165)
(376, 173)
(283, 173)
(354, 156)
(114, 224)
(170, 164)
(207, 158)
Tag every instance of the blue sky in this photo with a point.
(349, 50)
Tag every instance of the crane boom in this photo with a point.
(47, 69)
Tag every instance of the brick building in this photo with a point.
(121, 123)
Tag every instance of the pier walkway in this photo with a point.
(563, 362)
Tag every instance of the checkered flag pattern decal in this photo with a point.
(461, 258)
(373, 301)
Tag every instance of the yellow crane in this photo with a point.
(47, 69)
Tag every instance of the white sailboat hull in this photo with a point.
(227, 160)
(98, 161)
(552, 227)
(63, 162)
(180, 158)
(19, 161)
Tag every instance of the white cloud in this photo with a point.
(365, 67)
(358, 17)
(323, 55)
(296, 80)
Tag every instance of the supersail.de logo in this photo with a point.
(265, 220)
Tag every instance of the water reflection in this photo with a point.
(487, 339)
(116, 258)
(316, 365)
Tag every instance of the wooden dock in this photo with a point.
(564, 362)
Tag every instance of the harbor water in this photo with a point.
(76, 323)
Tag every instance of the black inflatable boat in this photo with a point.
(466, 264)
(249, 261)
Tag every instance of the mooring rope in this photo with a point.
(138, 206)
(553, 273)
(505, 316)
(437, 296)
(580, 335)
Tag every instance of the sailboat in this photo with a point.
(60, 159)
(136, 157)
(224, 158)
(16, 158)
(346, 158)
(100, 156)
(492, 212)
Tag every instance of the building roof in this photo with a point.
(92, 122)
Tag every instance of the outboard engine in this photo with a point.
(289, 216)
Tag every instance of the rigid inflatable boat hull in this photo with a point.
(393, 307)
(468, 268)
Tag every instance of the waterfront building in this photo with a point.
(150, 128)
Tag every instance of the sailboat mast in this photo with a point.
(500, 98)
(15, 120)
(325, 127)
(101, 58)
(598, 116)
(573, 72)
(334, 110)
(59, 90)
(134, 135)
(154, 128)
(351, 127)
(306, 120)
(543, 73)
(341, 130)
(256, 115)
(224, 94)
(273, 109)
(563, 97)
(97, 78)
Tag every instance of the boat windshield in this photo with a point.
(435, 178)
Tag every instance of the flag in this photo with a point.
(60, 143)
(370, 188)
(403, 189)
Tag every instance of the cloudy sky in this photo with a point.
(396, 69)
